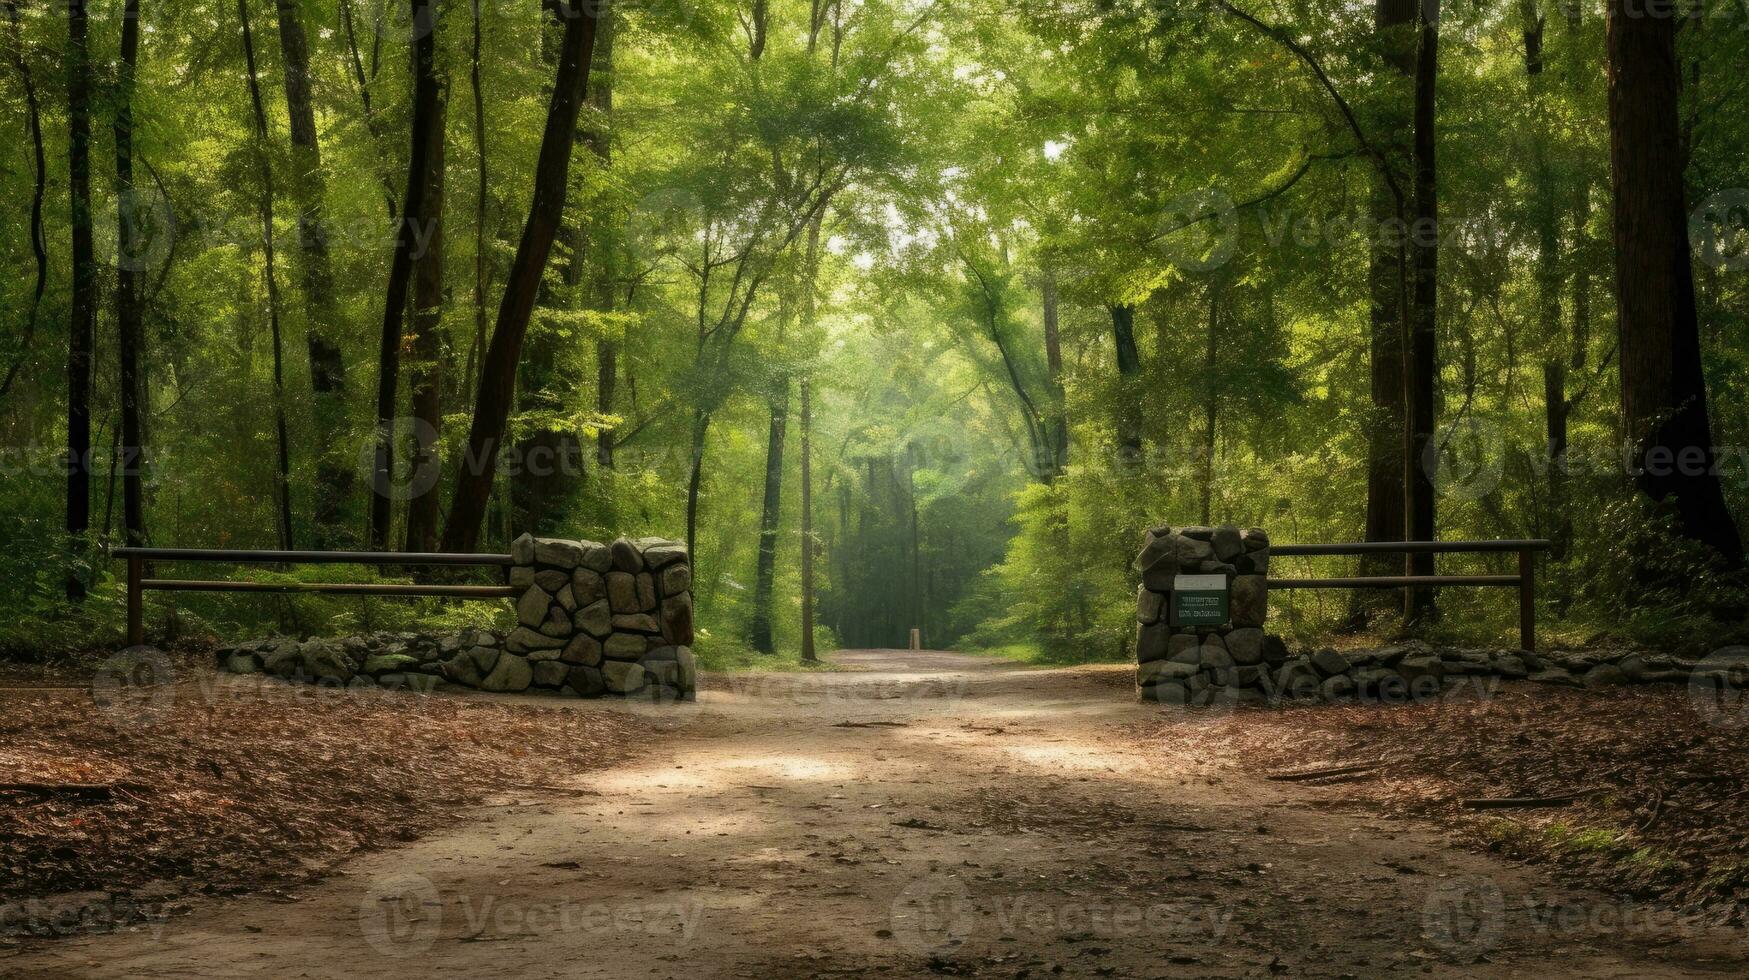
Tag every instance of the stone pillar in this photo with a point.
(605, 618)
(1186, 651)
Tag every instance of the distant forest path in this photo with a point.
(911, 814)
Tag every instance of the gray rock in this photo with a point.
(583, 649)
(1212, 652)
(565, 599)
(558, 624)
(622, 592)
(1511, 667)
(1152, 643)
(596, 557)
(509, 675)
(626, 556)
(658, 556)
(687, 679)
(1246, 645)
(1633, 667)
(1198, 532)
(1380, 682)
(1555, 675)
(1254, 538)
(623, 677)
(531, 609)
(1250, 676)
(596, 619)
(677, 619)
(587, 586)
(1297, 679)
(636, 623)
(1184, 648)
(1336, 688)
(522, 550)
(326, 662)
(1253, 562)
(539, 655)
(646, 592)
(550, 673)
(1190, 551)
(1274, 650)
(1226, 543)
(522, 640)
(1168, 693)
(1163, 670)
(283, 660)
(1148, 605)
(676, 579)
(1330, 663)
(1605, 675)
(1249, 600)
(551, 579)
(388, 663)
(471, 666)
(1421, 665)
(242, 663)
(624, 646)
(558, 553)
(587, 681)
(521, 576)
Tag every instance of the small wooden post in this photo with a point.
(1527, 600)
(136, 602)
(916, 638)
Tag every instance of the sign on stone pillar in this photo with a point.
(1200, 613)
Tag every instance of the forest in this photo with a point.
(900, 313)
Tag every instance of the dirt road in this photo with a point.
(916, 815)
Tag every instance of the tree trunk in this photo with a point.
(427, 114)
(478, 347)
(1129, 370)
(130, 335)
(600, 141)
(701, 422)
(426, 372)
(327, 361)
(1211, 404)
(38, 242)
(282, 468)
(1057, 424)
(498, 372)
(1663, 387)
(769, 516)
(808, 653)
(83, 319)
(1421, 374)
(1387, 284)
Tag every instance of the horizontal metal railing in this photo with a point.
(138, 584)
(1525, 580)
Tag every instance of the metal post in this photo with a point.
(136, 601)
(1527, 600)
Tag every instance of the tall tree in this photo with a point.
(264, 167)
(1386, 279)
(416, 222)
(1663, 387)
(83, 321)
(600, 142)
(551, 182)
(38, 242)
(808, 654)
(1129, 372)
(424, 510)
(327, 360)
(1421, 368)
(130, 334)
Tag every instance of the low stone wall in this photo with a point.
(593, 619)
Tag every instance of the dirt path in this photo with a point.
(921, 814)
